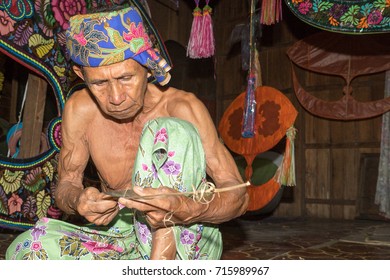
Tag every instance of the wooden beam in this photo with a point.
(33, 117)
(14, 99)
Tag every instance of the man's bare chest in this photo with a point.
(113, 151)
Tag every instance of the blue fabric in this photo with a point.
(101, 39)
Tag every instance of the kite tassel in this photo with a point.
(285, 175)
(271, 12)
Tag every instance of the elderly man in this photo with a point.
(145, 141)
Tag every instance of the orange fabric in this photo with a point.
(260, 196)
(274, 115)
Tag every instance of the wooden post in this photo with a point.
(33, 117)
(14, 98)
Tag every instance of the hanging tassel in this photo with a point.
(207, 44)
(254, 81)
(285, 175)
(248, 127)
(193, 48)
(271, 12)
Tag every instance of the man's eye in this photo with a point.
(100, 83)
(126, 78)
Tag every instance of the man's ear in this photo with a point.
(78, 71)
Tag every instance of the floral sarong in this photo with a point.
(170, 154)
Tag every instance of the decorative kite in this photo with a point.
(345, 56)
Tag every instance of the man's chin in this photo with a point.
(122, 116)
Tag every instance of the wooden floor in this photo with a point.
(254, 238)
(301, 239)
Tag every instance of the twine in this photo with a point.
(199, 195)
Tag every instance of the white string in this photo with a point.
(197, 195)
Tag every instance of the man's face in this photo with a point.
(118, 88)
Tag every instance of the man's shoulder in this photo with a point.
(80, 108)
(183, 104)
(172, 97)
(182, 97)
(81, 102)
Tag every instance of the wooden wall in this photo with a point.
(194, 75)
(329, 154)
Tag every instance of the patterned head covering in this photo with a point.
(100, 39)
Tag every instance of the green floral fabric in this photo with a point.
(170, 154)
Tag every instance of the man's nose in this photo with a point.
(117, 95)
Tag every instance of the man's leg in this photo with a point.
(58, 240)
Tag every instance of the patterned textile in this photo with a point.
(33, 34)
(353, 17)
(106, 38)
(52, 239)
(170, 154)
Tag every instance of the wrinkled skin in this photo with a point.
(105, 121)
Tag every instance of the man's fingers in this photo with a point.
(160, 219)
(103, 207)
(102, 218)
(150, 192)
(143, 206)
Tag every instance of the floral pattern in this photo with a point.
(6, 23)
(187, 237)
(32, 32)
(18, 9)
(14, 204)
(54, 239)
(137, 37)
(83, 43)
(64, 9)
(25, 196)
(172, 168)
(37, 231)
(344, 16)
(161, 136)
(143, 232)
(180, 167)
(129, 235)
(92, 41)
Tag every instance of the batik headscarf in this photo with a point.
(101, 39)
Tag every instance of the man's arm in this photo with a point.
(73, 158)
(71, 197)
(221, 166)
(163, 244)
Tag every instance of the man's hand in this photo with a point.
(165, 210)
(96, 207)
